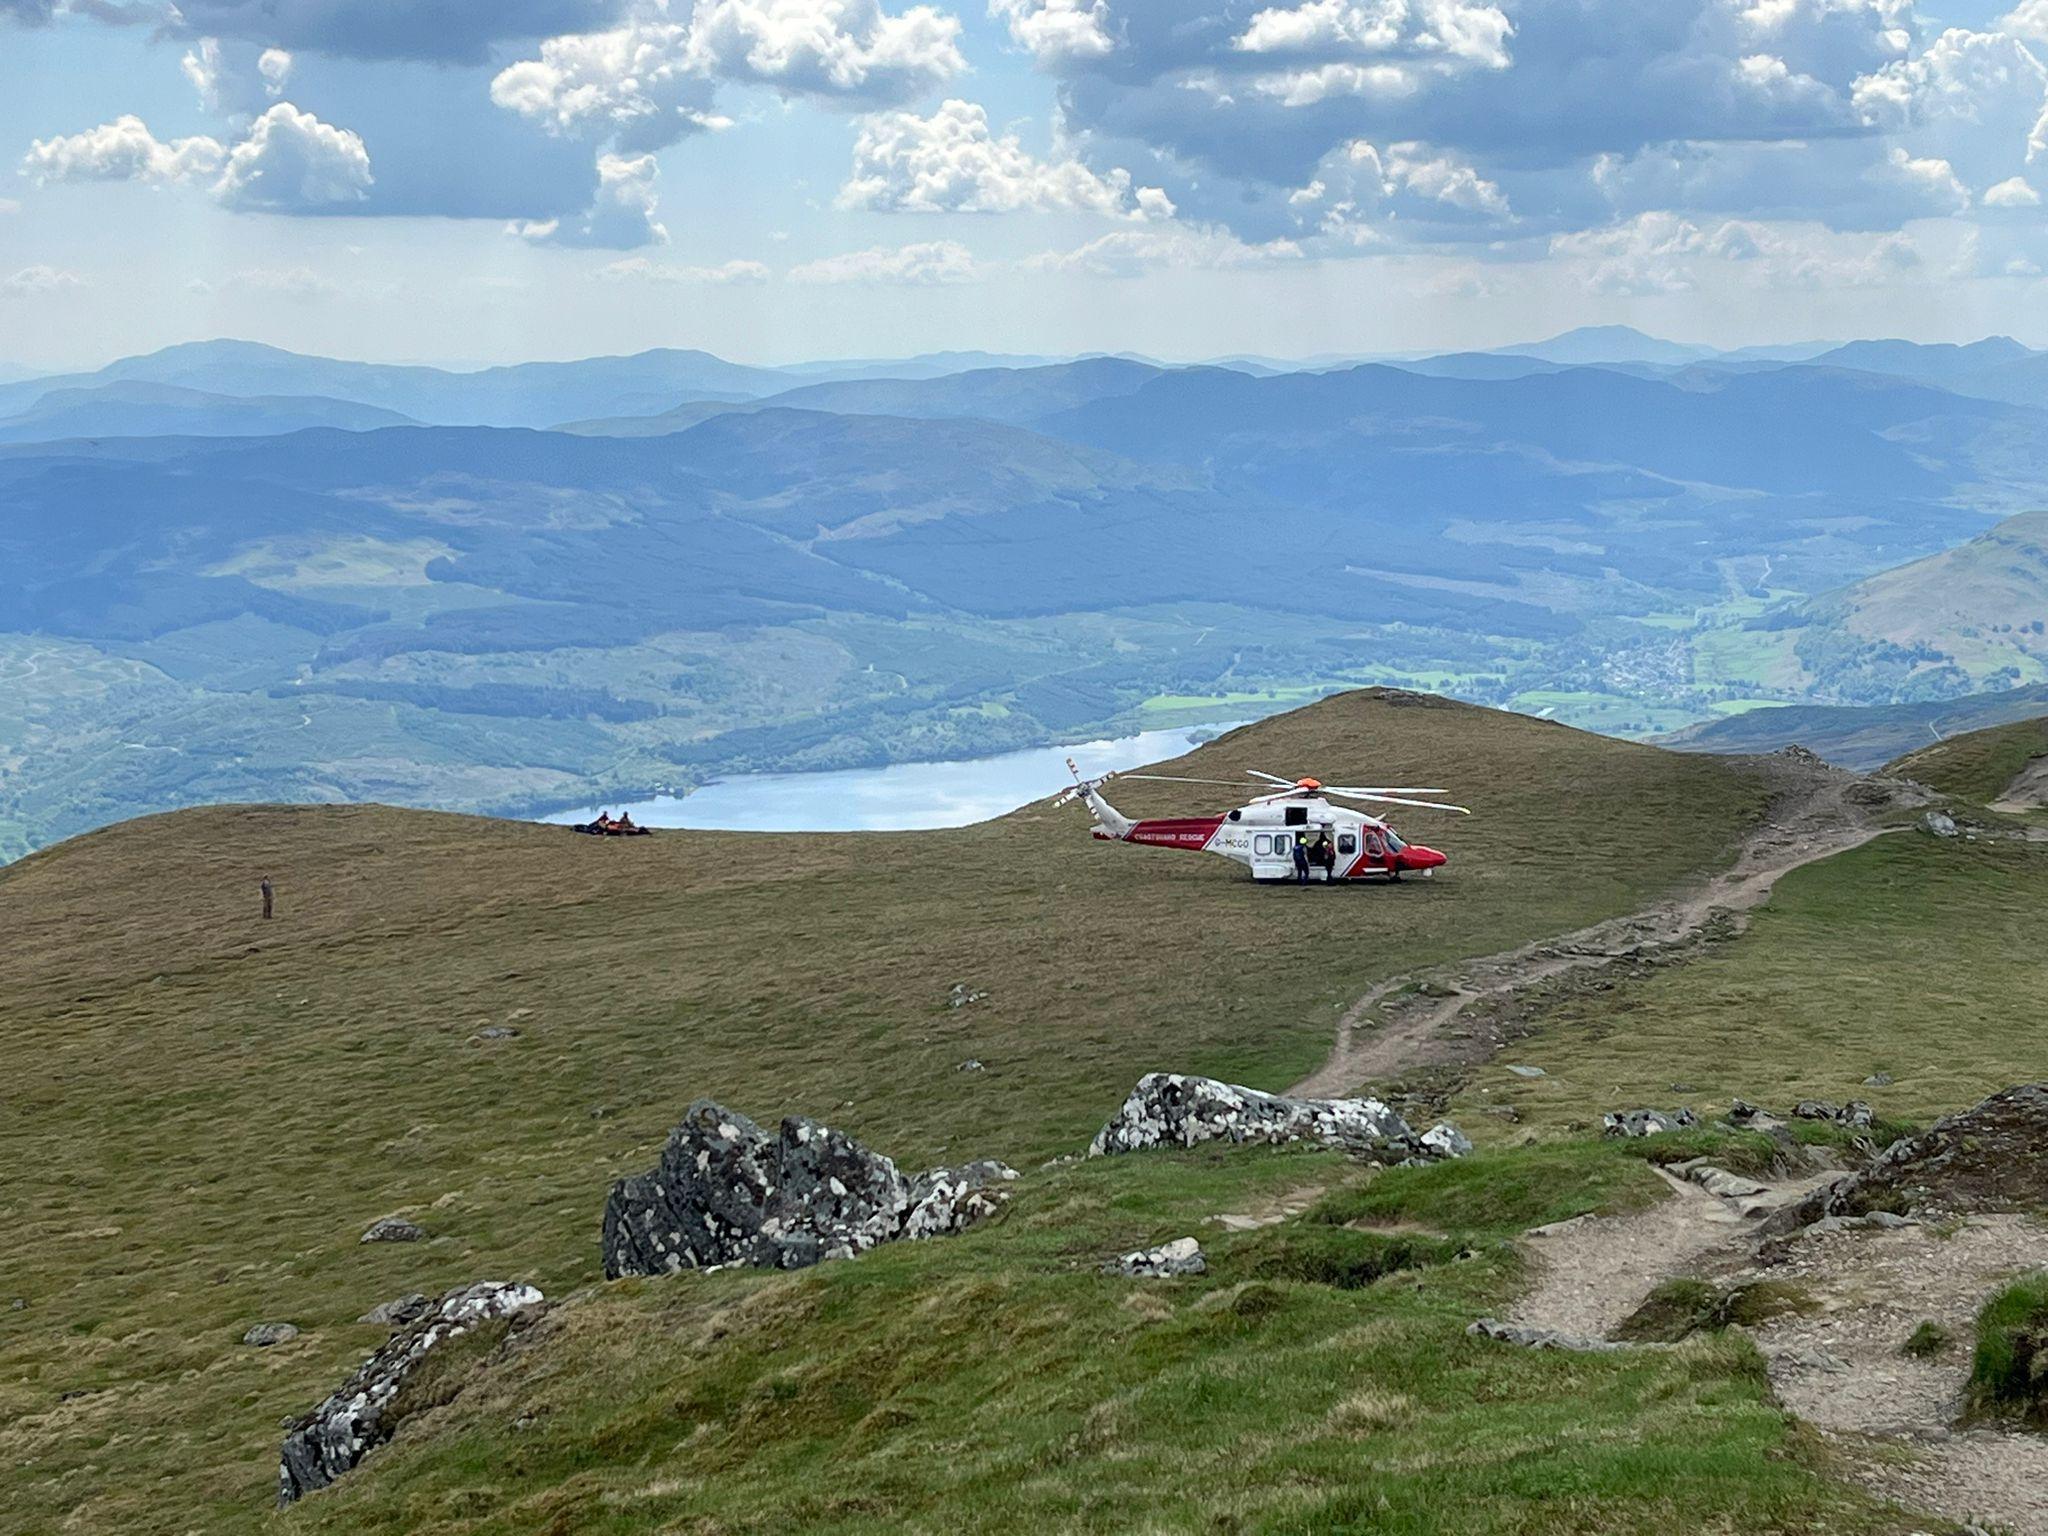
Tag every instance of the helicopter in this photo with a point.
(1262, 834)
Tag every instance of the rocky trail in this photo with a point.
(1457, 1015)
(1858, 1287)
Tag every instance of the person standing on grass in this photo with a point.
(268, 891)
(1301, 858)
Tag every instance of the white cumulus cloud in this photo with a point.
(951, 162)
(1059, 31)
(123, 150)
(288, 162)
(293, 161)
(41, 281)
(620, 216)
(638, 269)
(1130, 252)
(2013, 192)
(651, 80)
(929, 264)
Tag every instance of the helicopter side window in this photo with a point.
(1262, 845)
(1347, 843)
(1372, 845)
(1297, 816)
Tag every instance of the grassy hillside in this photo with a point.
(1981, 765)
(1969, 617)
(1913, 956)
(204, 1111)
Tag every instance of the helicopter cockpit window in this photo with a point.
(1347, 842)
(1394, 843)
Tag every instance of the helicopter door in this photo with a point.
(1273, 856)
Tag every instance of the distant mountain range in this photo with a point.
(667, 390)
(1866, 736)
(231, 572)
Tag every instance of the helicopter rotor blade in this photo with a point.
(1427, 805)
(1270, 778)
(1379, 789)
(1174, 778)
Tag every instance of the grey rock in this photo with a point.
(393, 1229)
(962, 995)
(726, 1192)
(1646, 1122)
(1878, 1080)
(19, 1304)
(1446, 1140)
(1722, 1184)
(1520, 1071)
(1816, 1109)
(971, 1064)
(398, 1311)
(495, 1032)
(1169, 1110)
(334, 1436)
(1182, 1256)
(1540, 1338)
(1748, 1117)
(263, 1335)
(1938, 824)
(1855, 1113)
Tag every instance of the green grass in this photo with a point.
(1927, 1340)
(203, 1112)
(1979, 765)
(999, 1382)
(2009, 1372)
(1912, 955)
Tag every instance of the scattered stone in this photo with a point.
(1878, 1080)
(1446, 1140)
(1182, 1256)
(1520, 1071)
(1683, 1088)
(1938, 824)
(1748, 1117)
(726, 1192)
(494, 1032)
(393, 1229)
(1169, 1110)
(1506, 1112)
(1816, 1109)
(323, 1444)
(971, 1064)
(962, 995)
(1646, 1122)
(398, 1311)
(19, 1304)
(1722, 1184)
(263, 1335)
(1540, 1338)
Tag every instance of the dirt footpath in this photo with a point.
(1461, 1014)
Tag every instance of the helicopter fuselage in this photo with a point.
(1262, 837)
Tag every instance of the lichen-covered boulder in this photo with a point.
(1167, 1109)
(726, 1192)
(949, 1200)
(323, 1444)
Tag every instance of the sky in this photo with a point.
(476, 181)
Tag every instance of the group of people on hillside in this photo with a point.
(606, 825)
(1322, 853)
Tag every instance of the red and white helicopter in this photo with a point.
(1263, 834)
